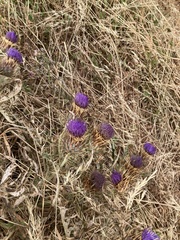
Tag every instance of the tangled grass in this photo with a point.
(125, 56)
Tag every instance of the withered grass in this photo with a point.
(125, 56)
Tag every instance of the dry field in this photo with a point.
(125, 55)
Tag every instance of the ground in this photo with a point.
(125, 56)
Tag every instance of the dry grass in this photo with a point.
(125, 55)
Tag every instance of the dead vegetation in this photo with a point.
(125, 56)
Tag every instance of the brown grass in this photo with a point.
(125, 55)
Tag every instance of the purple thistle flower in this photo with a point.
(81, 100)
(15, 54)
(106, 131)
(136, 161)
(76, 127)
(11, 36)
(116, 177)
(148, 234)
(149, 148)
(97, 180)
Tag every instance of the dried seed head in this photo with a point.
(81, 100)
(97, 180)
(148, 234)
(116, 177)
(76, 127)
(150, 148)
(7, 68)
(136, 161)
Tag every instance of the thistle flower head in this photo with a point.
(7, 69)
(116, 177)
(150, 148)
(81, 100)
(97, 180)
(106, 131)
(14, 54)
(76, 127)
(11, 36)
(136, 161)
(148, 234)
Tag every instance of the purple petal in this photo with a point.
(148, 234)
(15, 54)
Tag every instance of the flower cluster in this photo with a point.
(77, 127)
(97, 179)
(9, 64)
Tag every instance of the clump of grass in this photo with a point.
(125, 56)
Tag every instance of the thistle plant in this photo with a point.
(97, 180)
(148, 234)
(9, 40)
(149, 148)
(131, 171)
(76, 128)
(81, 102)
(136, 161)
(116, 177)
(103, 133)
(11, 36)
(9, 66)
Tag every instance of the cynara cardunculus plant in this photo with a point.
(136, 161)
(148, 234)
(104, 132)
(15, 55)
(97, 180)
(9, 40)
(76, 128)
(149, 148)
(81, 102)
(116, 177)
(11, 36)
(9, 64)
